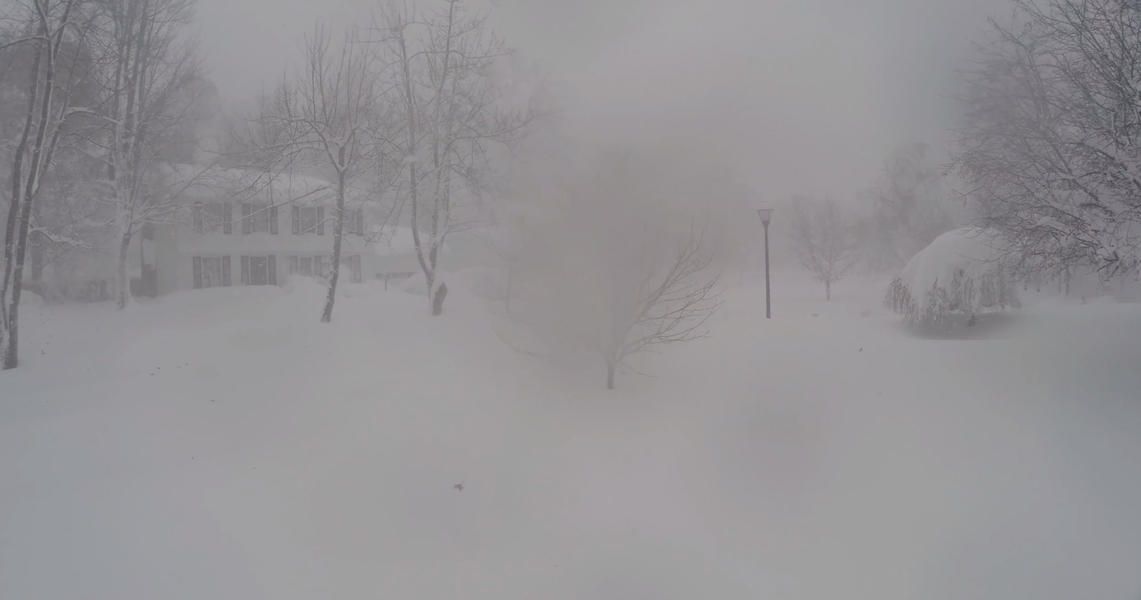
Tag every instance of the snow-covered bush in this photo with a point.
(961, 274)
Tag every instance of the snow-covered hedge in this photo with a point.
(961, 274)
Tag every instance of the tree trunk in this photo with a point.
(338, 233)
(610, 369)
(828, 291)
(436, 293)
(10, 334)
(10, 286)
(37, 245)
(438, 297)
(9, 339)
(16, 283)
(122, 278)
(25, 185)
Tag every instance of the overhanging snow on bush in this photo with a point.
(961, 274)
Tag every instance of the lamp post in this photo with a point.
(766, 215)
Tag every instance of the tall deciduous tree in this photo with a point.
(146, 74)
(822, 239)
(450, 112)
(48, 24)
(323, 117)
(1051, 143)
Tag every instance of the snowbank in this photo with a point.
(958, 275)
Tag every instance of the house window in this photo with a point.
(301, 265)
(308, 219)
(354, 221)
(211, 271)
(259, 270)
(307, 266)
(213, 217)
(259, 219)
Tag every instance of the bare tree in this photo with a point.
(1051, 142)
(908, 208)
(822, 239)
(146, 77)
(619, 265)
(49, 23)
(450, 112)
(669, 303)
(68, 220)
(323, 117)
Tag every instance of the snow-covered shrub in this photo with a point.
(961, 274)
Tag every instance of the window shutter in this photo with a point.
(227, 218)
(245, 270)
(198, 228)
(272, 269)
(197, 273)
(273, 220)
(293, 265)
(296, 220)
(226, 271)
(320, 220)
(319, 266)
(247, 222)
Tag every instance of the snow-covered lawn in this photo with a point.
(225, 445)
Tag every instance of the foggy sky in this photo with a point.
(796, 95)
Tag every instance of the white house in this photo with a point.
(237, 230)
(238, 227)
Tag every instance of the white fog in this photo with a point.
(595, 299)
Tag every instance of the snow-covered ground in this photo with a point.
(225, 445)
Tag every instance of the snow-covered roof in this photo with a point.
(199, 182)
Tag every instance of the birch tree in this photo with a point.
(450, 114)
(822, 240)
(146, 72)
(323, 117)
(49, 24)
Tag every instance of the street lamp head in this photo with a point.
(766, 215)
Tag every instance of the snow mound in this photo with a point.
(971, 250)
(960, 274)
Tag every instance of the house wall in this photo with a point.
(177, 245)
(165, 257)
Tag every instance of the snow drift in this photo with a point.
(223, 444)
(959, 275)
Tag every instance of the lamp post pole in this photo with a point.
(766, 215)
